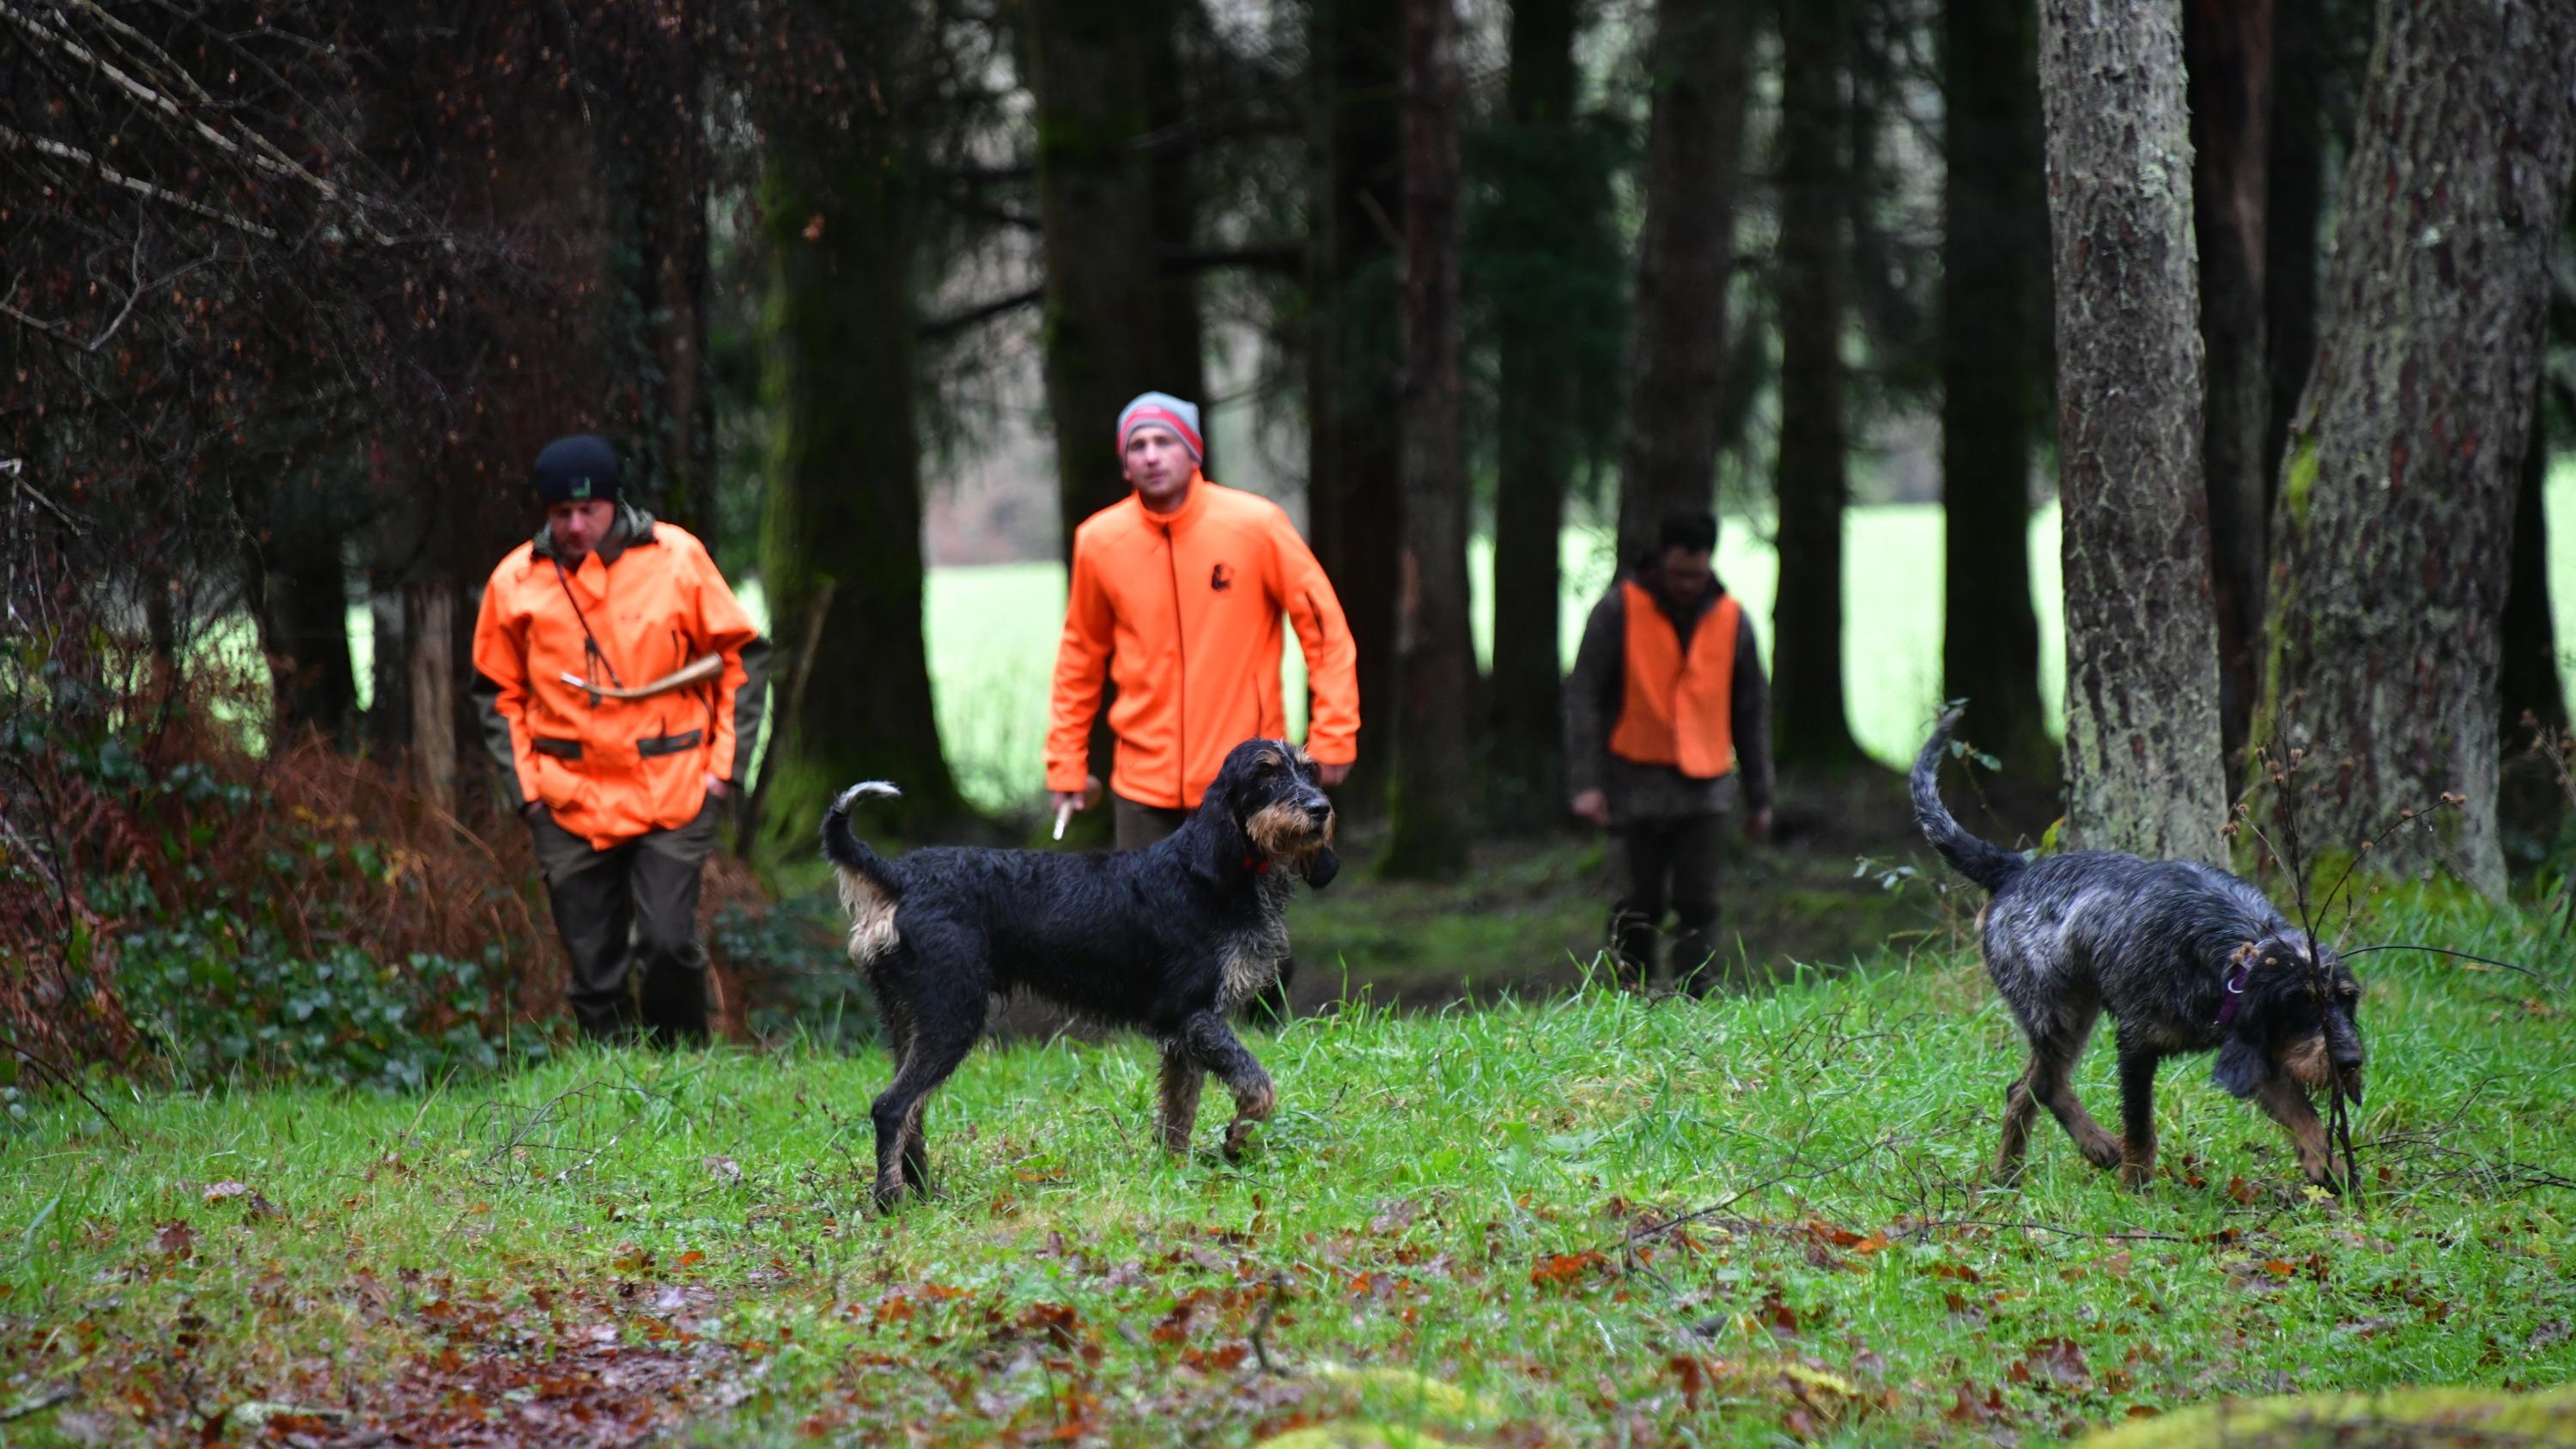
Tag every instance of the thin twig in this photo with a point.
(2445, 951)
(2035, 1227)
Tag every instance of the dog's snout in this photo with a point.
(1319, 810)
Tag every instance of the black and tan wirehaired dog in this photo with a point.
(1166, 940)
(2183, 956)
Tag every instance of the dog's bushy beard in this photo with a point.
(1286, 836)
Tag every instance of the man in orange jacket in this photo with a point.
(1176, 595)
(610, 743)
(1667, 723)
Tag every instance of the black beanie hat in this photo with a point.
(572, 469)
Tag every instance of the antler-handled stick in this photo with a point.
(696, 671)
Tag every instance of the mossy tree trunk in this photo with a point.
(1430, 812)
(1994, 358)
(844, 497)
(2142, 743)
(1812, 731)
(1685, 263)
(2395, 525)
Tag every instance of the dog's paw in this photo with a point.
(1238, 1140)
(2137, 1176)
(2103, 1152)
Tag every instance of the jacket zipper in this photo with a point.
(1181, 697)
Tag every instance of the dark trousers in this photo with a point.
(1137, 827)
(1662, 864)
(636, 902)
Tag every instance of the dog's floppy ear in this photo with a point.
(1322, 866)
(1219, 844)
(2240, 1067)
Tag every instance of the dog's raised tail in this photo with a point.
(843, 847)
(1982, 861)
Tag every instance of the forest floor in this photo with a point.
(1566, 1216)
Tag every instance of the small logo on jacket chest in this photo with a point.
(1220, 578)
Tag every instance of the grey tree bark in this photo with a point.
(2395, 523)
(2142, 742)
(1685, 260)
(2227, 46)
(1812, 731)
(1994, 359)
(1429, 810)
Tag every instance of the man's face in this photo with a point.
(1687, 575)
(578, 526)
(1158, 466)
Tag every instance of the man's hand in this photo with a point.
(1082, 799)
(1330, 775)
(717, 787)
(1594, 806)
(1757, 826)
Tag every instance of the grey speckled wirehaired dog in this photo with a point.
(2185, 957)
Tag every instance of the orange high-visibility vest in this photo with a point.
(1678, 709)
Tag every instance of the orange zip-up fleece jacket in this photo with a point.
(615, 769)
(1183, 610)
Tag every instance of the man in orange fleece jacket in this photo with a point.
(1177, 594)
(621, 792)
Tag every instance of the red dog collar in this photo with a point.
(1256, 865)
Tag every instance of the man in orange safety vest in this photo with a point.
(1667, 724)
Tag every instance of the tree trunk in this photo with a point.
(1812, 732)
(2294, 185)
(2396, 517)
(1685, 259)
(1354, 492)
(665, 174)
(430, 687)
(845, 487)
(1172, 176)
(2227, 47)
(1429, 812)
(304, 616)
(2527, 680)
(2143, 766)
(1109, 327)
(1994, 356)
(1541, 224)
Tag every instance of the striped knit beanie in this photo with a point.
(1162, 410)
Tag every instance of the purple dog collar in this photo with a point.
(2235, 996)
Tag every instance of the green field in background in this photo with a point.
(993, 631)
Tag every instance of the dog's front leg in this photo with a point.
(1214, 1046)
(1182, 1078)
(2286, 1102)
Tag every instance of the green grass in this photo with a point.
(1449, 1223)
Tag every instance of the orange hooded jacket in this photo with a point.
(1182, 611)
(610, 770)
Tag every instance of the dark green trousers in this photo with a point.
(634, 905)
(1670, 864)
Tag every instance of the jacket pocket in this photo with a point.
(653, 746)
(560, 749)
